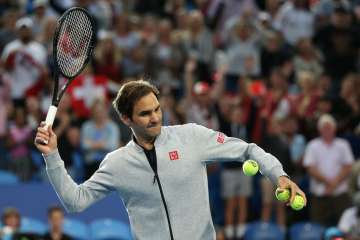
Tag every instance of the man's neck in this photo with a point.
(328, 141)
(56, 234)
(147, 144)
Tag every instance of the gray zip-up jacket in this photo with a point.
(182, 154)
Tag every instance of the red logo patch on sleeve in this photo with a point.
(174, 155)
(220, 138)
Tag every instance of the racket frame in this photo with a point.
(57, 94)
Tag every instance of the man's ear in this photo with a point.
(126, 120)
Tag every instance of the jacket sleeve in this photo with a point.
(74, 197)
(216, 146)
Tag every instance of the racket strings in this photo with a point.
(74, 42)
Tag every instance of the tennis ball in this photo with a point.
(250, 167)
(298, 203)
(282, 195)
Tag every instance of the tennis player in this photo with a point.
(161, 173)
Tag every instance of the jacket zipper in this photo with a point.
(156, 177)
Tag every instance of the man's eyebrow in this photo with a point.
(148, 111)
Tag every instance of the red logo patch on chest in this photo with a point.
(220, 138)
(174, 155)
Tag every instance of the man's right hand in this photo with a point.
(45, 134)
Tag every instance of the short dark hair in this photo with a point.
(53, 209)
(130, 93)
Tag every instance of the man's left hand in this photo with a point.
(285, 183)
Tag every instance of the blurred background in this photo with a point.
(282, 74)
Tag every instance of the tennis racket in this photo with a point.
(73, 43)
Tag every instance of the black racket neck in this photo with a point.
(55, 98)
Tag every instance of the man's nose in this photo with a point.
(154, 117)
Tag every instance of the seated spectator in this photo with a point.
(99, 135)
(10, 221)
(107, 59)
(25, 61)
(354, 182)
(277, 101)
(166, 57)
(8, 30)
(243, 51)
(305, 103)
(41, 12)
(339, 41)
(347, 106)
(296, 143)
(273, 53)
(56, 221)
(275, 144)
(199, 45)
(295, 21)
(349, 222)
(4, 109)
(199, 102)
(308, 58)
(236, 187)
(18, 142)
(171, 114)
(328, 161)
(33, 112)
(125, 38)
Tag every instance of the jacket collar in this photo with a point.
(160, 140)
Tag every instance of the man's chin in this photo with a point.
(154, 131)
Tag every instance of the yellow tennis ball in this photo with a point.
(250, 167)
(298, 203)
(282, 195)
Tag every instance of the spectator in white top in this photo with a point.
(243, 50)
(349, 222)
(221, 11)
(295, 21)
(199, 45)
(328, 160)
(25, 61)
(41, 12)
(323, 9)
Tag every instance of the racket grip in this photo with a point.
(50, 117)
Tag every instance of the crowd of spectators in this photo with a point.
(12, 219)
(282, 74)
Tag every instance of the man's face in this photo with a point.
(56, 220)
(12, 221)
(147, 117)
(327, 131)
(25, 34)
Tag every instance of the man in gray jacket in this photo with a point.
(161, 173)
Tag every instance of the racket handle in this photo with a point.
(50, 117)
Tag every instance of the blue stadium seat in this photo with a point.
(109, 229)
(31, 225)
(332, 232)
(306, 231)
(76, 229)
(263, 231)
(7, 177)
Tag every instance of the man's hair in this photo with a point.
(53, 209)
(130, 93)
(326, 118)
